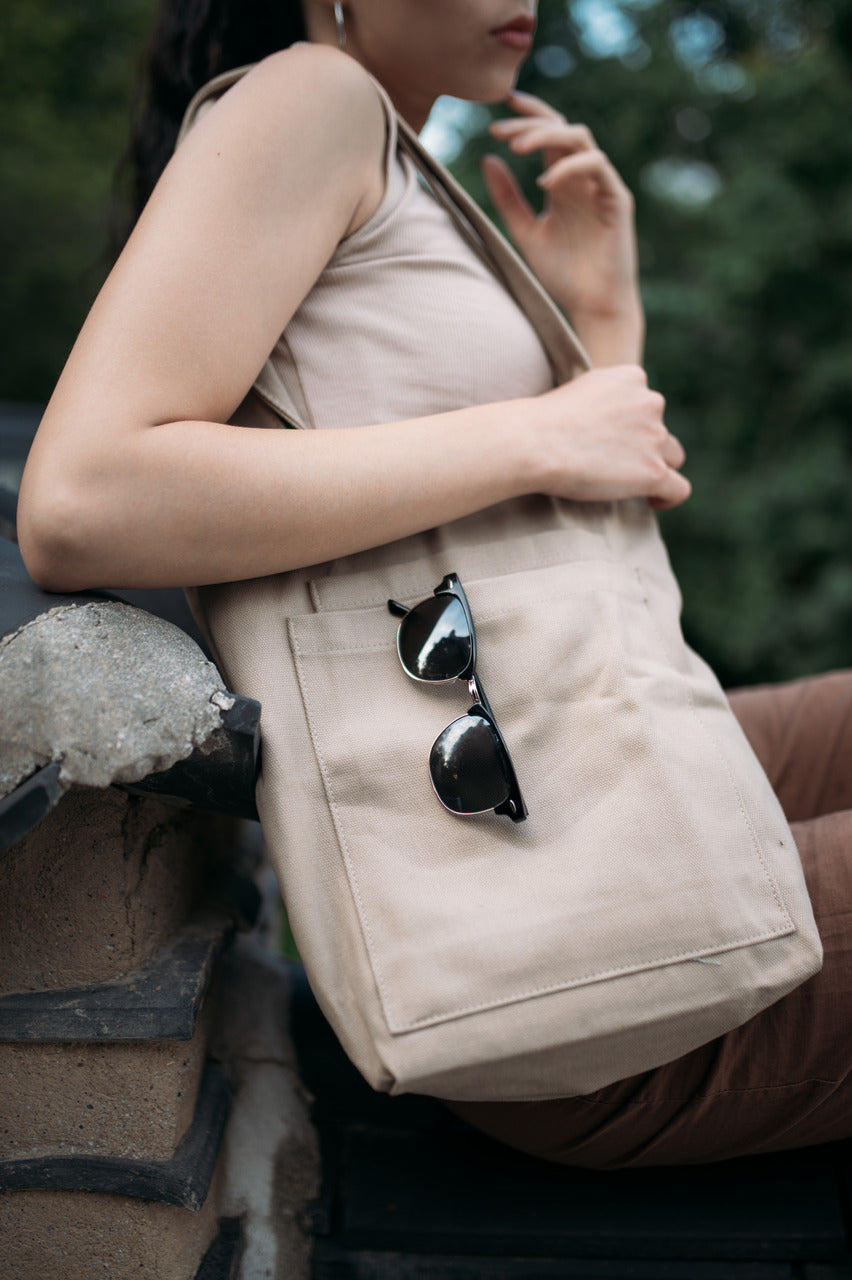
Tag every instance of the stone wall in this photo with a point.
(152, 1120)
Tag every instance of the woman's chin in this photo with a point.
(488, 88)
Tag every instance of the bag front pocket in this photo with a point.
(638, 851)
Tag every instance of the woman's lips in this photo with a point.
(514, 39)
(517, 34)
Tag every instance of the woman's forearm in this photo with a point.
(195, 502)
(110, 503)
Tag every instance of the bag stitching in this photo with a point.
(335, 817)
(597, 976)
(484, 615)
(509, 566)
(711, 738)
(657, 963)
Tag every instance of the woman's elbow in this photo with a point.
(52, 530)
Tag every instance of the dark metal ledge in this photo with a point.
(184, 1180)
(222, 1258)
(158, 1001)
(24, 808)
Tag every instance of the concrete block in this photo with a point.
(98, 886)
(183, 1180)
(109, 691)
(160, 1000)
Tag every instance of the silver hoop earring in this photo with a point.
(340, 24)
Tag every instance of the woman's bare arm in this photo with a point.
(134, 478)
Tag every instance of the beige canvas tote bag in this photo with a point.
(653, 899)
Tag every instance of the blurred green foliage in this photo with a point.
(730, 121)
(66, 75)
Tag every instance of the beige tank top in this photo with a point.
(407, 318)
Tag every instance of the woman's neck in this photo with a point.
(412, 106)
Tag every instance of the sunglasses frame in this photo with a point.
(513, 806)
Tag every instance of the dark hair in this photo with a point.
(192, 41)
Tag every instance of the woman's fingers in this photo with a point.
(673, 451)
(507, 196)
(527, 135)
(527, 104)
(585, 164)
(672, 490)
(570, 151)
(610, 440)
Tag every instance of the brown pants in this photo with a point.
(784, 1079)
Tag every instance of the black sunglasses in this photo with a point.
(469, 764)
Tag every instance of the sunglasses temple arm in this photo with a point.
(514, 807)
(449, 585)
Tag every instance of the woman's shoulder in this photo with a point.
(324, 74)
(304, 82)
(319, 65)
(309, 116)
(307, 127)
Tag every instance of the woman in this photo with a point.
(137, 479)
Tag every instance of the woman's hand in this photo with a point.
(602, 437)
(582, 246)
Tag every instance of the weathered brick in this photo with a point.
(97, 887)
(78, 1235)
(134, 1099)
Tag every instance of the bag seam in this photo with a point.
(483, 615)
(508, 567)
(341, 838)
(712, 740)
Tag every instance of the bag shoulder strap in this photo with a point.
(209, 92)
(564, 348)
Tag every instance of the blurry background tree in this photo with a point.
(729, 119)
(66, 79)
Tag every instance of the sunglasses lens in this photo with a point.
(466, 764)
(434, 639)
